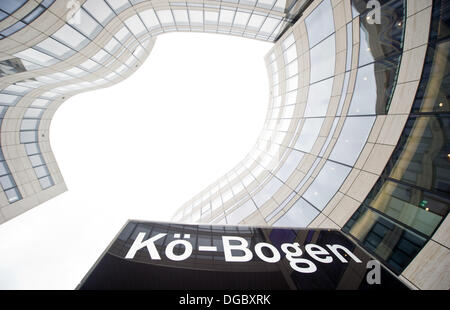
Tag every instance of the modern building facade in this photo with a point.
(356, 136)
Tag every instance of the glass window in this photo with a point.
(390, 242)
(318, 98)
(291, 97)
(135, 25)
(32, 148)
(288, 41)
(323, 59)
(89, 65)
(12, 194)
(41, 103)
(181, 16)
(36, 57)
(54, 48)
(320, 23)
(290, 54)
(196, 17)
(123, 34)
(309, 134)
(241, 212)
(8, 99)
(41, 171)
(11, 6)
(422, 154)
(292, 83)
(269, 25)
(226, 16)
(241, 19)
(343, 94)
(149, 18)
(255, 21)
(410, 206)
(352, 139)
(267, 191)
(88, 26)
(29, 124)
(292, 68)
(71, 37)
(46, 182)
(13, 29)
(379, 41)
(101, 56)
(36, 160)
(3, 168)
(100, 10)
(211, 17)
(7, 182)
(301, 214)
(119, 5)
(28, 136)
(289, 165)
(33, 15)
(373, 88)
(326, 184)
(165, 17)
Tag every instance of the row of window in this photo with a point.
(412, 196)
(9, 7)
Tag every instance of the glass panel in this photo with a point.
(149, 18)
(318, 98)
(36, 57)
(7, 182)
(71, 37)
(54, 48)
(320, 23)
(165, 17)
(226, 17)
(99, 9)
(267, 191)
(289, 165)
(326, 184)
(352, 139)
(88, 26)
(196, 17)
(422, 154)
(241, 19)
(135, 25)
(241, 212)
(28, 136)
(255, 21)
(46, 182)
(408, 206)
(379, 41)
(323, 59)
(309, 134)
(300, 214)
(12, 195)
(391, 243)
(181, 16)
(29, 124)
(434, 88)
(373, 88)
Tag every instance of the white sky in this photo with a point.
(139, 150)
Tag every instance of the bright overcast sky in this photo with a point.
(139, 150)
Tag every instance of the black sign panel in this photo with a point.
(148, 255)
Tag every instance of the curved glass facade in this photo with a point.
(356, 133)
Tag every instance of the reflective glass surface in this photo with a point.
(326, 184)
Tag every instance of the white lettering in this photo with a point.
(139, 244)
(294, 260)
(243, 247)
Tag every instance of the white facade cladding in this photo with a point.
(342, 90)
